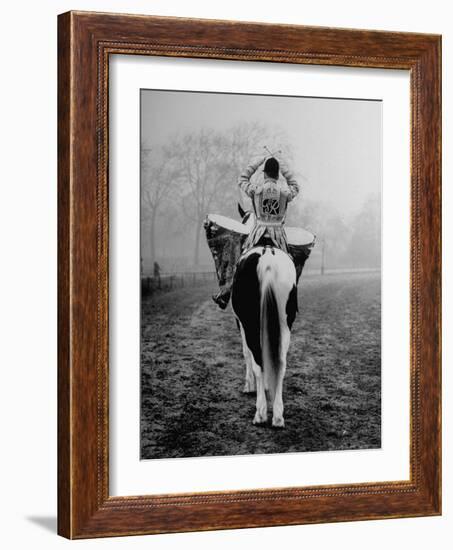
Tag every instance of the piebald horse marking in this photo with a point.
(264, 300)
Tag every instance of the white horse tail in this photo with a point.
(270, 325)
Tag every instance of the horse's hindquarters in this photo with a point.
(264, 302)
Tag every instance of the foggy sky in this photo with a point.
(337, 143)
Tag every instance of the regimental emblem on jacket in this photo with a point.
(270, 204)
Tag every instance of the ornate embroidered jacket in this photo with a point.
(270, 199)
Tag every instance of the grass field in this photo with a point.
(193, 373)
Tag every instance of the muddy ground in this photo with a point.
(193, 373)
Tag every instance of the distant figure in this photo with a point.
(157, 273)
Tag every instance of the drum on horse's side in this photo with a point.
(300, 244)
(225, 238)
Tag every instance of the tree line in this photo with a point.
(196, 173)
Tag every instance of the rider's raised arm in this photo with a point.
(244, 179)
(291, 181)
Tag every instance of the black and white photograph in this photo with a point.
(260, 232)
(225, 291)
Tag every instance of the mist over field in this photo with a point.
(195, 145)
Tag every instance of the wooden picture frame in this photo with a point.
(85, 42)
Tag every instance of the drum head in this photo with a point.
(228, 223)
(297, 236)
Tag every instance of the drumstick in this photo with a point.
(272, 154)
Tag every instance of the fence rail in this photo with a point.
(171, 281)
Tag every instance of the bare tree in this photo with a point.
(364, 245)
(331, 229)
(157, 179)
(203, 177)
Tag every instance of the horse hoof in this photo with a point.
(278, 422)
(259, 419)
(249, 388)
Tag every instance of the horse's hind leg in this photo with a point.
(261, 402)
(277, 409)
(250, 382)
(254, 381)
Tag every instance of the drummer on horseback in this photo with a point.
(270, 198)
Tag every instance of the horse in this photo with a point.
(264, 302)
